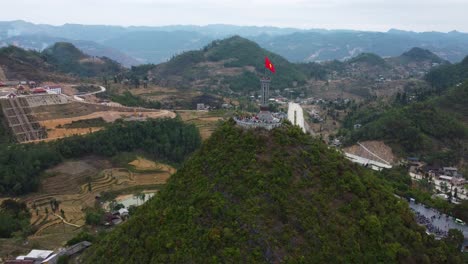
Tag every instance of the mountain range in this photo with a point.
(138, 45)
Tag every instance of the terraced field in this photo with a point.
(204, 121)
(75, 185)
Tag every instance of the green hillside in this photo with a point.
(270, 197)
(20, 64)
(235, 62)
(436, 128)
(68, 59)
(60, 62)
(419, 54)
(445, 76)
(369, 59)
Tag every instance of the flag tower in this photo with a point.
(265, 82)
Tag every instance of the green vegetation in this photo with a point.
(14, 217)
(253, 196)
(427, 128)
(67, 58)
(234, 52)
(448, 75)
(163, 139)
(87, 88)
(419, 54)
(93, 122)
(82, 236)
(61, 57)
(94, 216)
(19, 64)
(321, 71)
(240, 52)
(246, 82)
(370, 59)
(128, 99)
(5, 135)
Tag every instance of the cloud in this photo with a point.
(419, 15)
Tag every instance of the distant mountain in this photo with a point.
(419, 54)
(157, 44)
(41, 42)
(257, 196)
(62, 61)
(234, 63)
(320, 46)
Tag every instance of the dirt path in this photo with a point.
(65, 222)
(373, 150)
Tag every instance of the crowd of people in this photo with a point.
(275, 118)
(428, 223)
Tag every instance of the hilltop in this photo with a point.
(419, 54)
(69, 59)
(60, 62)
(269, 197)
(369, 59)
(18, 63)
(235, 63)
(40, 42)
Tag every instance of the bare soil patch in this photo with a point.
(379, 148)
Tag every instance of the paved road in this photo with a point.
(444, 223)
(103, 89)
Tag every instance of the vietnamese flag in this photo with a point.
(269, 65)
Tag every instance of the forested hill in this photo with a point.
(435, 129)
(253, 196)
(419, 54)
(60, 62)
(69, 59)
(235, 62)
(448, 75)
(20, 64)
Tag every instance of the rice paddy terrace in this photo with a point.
(76, 184)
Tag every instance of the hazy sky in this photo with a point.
(379, 15)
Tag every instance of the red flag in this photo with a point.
(269, 65)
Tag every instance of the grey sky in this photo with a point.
(378, 15)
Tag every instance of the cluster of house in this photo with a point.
(12, 89)
(37, 256)
(448, 182)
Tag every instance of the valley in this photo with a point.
(97, 137)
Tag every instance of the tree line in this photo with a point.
(166, 139)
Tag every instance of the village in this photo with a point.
(447, 182)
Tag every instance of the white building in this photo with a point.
(296, 115)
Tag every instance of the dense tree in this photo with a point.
(252, 196)
(14, 216)
(168, 139)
